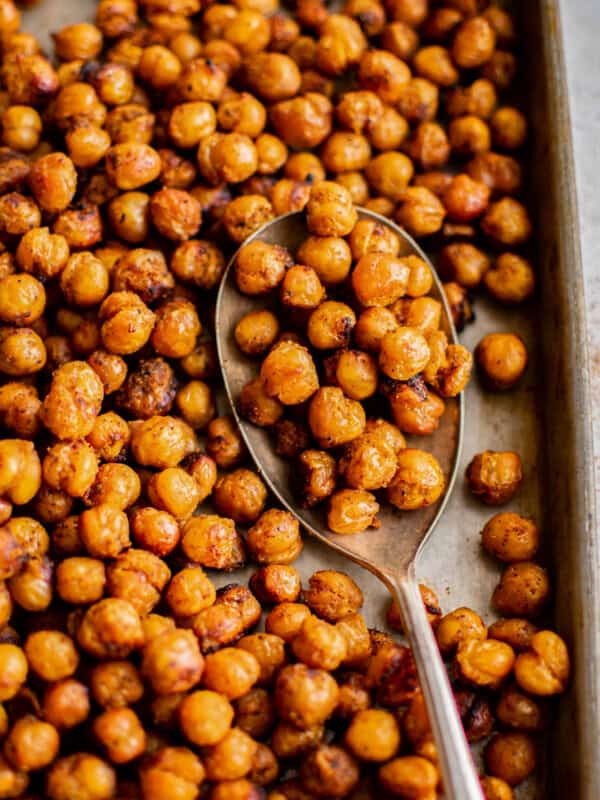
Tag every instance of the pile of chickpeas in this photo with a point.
(132, 162)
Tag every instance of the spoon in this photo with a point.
(391, 550)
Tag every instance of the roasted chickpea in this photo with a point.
(305, 697)
(330, 210)
(224, 442)
(213, 542)
(465, 199)
(484, 663)
(80, 580)
(71, 467)
(172, 662)
(473, 43)
(507, 222)
(205, 717)
(458, 626)
(174, 770)
(66, 703)
(83, 774)
(31, 744)
(126, 323)
(410, 776)
(317, 476)
(132, 164)
(276, 583)
(51, 655)
(333, 418)
(495, 477)
(304, 121)
(104, 530)
(352, 511)
(368, 463)
(502, 359)
(511, 279)
(120, 732)
(18, 214)
(42, 253)
(464, 263)
(516, 632)
(511, 757)
(509, 128)
(116, 684)
(511, 537)
(496, 789)
(403, 353)
(289, 374)
(544, 668)
(389, 174)
(241, 495)
(301, 288)
(420, 211)
(418, 481)
(256, 332)
(21, 128)
(110, 628)
(523, 590)
(274, 538)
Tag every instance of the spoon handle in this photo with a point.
(458, 770)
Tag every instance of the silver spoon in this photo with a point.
(390, 551)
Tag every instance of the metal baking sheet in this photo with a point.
(547, 420)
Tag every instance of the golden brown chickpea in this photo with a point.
(159, 442)
(478, 99)
(201, 79)
(172, 662)
(319, 645)
(469, 135)
(176, 328)
(484, 663)
(21, 128)
(288, 373)
(370, 14)
(389, 174)
(368, 463)
(276, 583)
(189, 592)
(458, 626)
(80, 225)
(388, 131)
(143, 272)
(344, 151)
(257, 406)
(357, 109)
(511, 757)
(139, 577)
(261, 267)
(120, 732)
(511, 279)
(354, 372)
(22, 299)
(428, 145)
(384, 74)
(333, 418)
(509, 128)
(116, 684)
(159, 67)
(379, 279)
(126, 323)
(30, 79)
(14, 670)
(373, 324)
(175, 771)
(330, 210)
(403, 353)
(109, 437)
(511, 537)
(352, 511)
(305, 697)
(245, 215)
(204, 471)
(31, 744)
(523, 590)
(83, 775)
(274, 538)
(205, 717)
(333, 595)
(256, 332)
(544, 668)
(241, 495)
(42, 253)
(434, 64)
(330, 325)
(131, 122)
(224, 443)
(516, 632)
(317, 472)
(71, 467)
(176, 214)
(213, 542)
(400, 39)
(496, 789)
(495, 476)
(231, 758)
(66, 704)
(420, 211)
(301, 288)
(20, 471)
(18, 214)
(464, 263)
(110, 628)
(104, 530)
(149, 390)
(373, 735)
(84, 281)
(132, 164)
(410, 777)
(473, 43)
(507, 222)
(502, 359)
(195, 403)
(518, 711)
(418, 481)
(274, 77)
(304, 121)
(129, 216)
(80, 580)
(81, 40)
(465, 199)
(51, 655)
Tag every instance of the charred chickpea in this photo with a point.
(511, 757)
(511, 279)
(523, 590)
(519, 711)
(495, 476)
(317, 476)
(329, 769)
(330, 325)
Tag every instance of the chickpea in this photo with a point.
(14, 670)
(379, 279)
(478, 99)
(110, 628)
(341, 44)
(305, 697)
(356, 110)
(510, 757)
(464, 263)
(329, 769)
(459, 626)
(403, 353)
(352, 511)
(317, 476)
(66, 704)
(368, 463)
(205, 717)
(319, 644)
(301, 288)
(495, 477)
(129, 216)
(354, 372)
(80, 580)
(81, 774)
(22, 299)
(502, 359)
(120, 732)
(256, 332)
(224, 443)
(149, 390)
(387, 132)
(131, 122)
(159, 442)
(213, 542)
(84, 280)
(21, 128)
(241, 495)
(302, 122)
(496, 789)
(276, 583)
(20, 471)
(484, 663)
(288, 373)
(126, 323)
(261, 267)
(333, 418)
(518, 711)
(22, 351)
(523, 590)
(51, 655)
(428, 146)
(176, 214)
(511, 537)
(544, 668)
(330, 325)
(418, 481)
(400, 39)
(274, 538)
(175, 770)
(474, 43)
(509, 128)
(71, 467)
(81, 40)
(245, 215)
(31, 744)
(53, 181)
(172, 662)
(389, 174)
(190, 591)
(410, 776)
(518, 633)
(511, 279)
(80, 225)
(41, 253)
(372, 325)
(132, 164)
(87, 144)
(333, 595)
(465, 199)
(176, 328)
(104, 530)
(330, 210)
(507, 222)
(30, 79)
(420, 211)
(373, 735)
(139, 577)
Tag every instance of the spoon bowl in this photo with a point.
(389, 551)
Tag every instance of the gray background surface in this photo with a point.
(581, 26)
